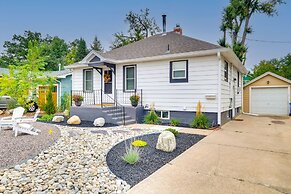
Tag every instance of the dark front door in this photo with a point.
(107, 81)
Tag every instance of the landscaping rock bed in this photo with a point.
(15, 150)
(151, 159)
(84, 124)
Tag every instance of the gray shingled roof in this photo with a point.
(158, 45)
(58, 73)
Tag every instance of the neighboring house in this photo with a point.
(172, 71)
(268, 94)
(63, 85)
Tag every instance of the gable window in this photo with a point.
(129, 78)
(88, 79)
(179, 71)
(226, 71)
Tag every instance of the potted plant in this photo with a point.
(134, 99)
(78, 100)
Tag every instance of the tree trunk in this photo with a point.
(244, 37)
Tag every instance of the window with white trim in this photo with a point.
(179, 71)
(163, 114)
(130, 78)
(226, 71)
(88, 79)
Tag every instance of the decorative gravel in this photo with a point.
(76, 163)
(151, 159)
(15, 150)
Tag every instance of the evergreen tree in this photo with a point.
(96, 45)
(49, 106)
(82, 50)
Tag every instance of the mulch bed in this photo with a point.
(151, 159)
(16, 150)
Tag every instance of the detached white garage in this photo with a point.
(269, 94)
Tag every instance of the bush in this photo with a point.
(131, 156)
(12, 104)
(175, 122)
(200, 121)
(78, 98)
(139, 143)
(49, 106)
(174, 131)
(65, 102)
(46, 118)
(152, 118)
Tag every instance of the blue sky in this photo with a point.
(71, 19)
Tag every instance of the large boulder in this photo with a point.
(1, 112)
(166, 142)
(58, 119)
(74, 120)
(99, 122)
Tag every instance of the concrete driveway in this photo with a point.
(249, 156)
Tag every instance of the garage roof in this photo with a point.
(268, 73)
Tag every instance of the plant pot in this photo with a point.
(78, 103)
(134, 103)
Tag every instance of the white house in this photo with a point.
(171, 70)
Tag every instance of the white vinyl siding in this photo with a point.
(153, 79)
(230, 89)
(77, 80)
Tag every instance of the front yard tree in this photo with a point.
(236, 22)
(96, 45)
(25, 77)
(141, 25)
(82, 50)
(281, 66)
(55, 50)
(15, 51)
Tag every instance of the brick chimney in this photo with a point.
(178, 29)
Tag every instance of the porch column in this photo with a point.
(99, 70)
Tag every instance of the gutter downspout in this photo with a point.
(219, 90)
(60, 91)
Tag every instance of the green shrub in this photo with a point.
(175, 122)
(131, 156)
(65, 102)
(46, 118)
(200, 121)
(139, 143)
(174, 131)
(152, 118)
(49, 106)
(12, 104)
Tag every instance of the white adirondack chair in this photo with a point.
(8, 122)
(24, 128)
(29, 119)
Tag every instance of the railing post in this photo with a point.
(71, 97)
(94, 97)
(101, 97)
(140, 97)
(123, 114)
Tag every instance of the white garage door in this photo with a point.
(272, 101)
